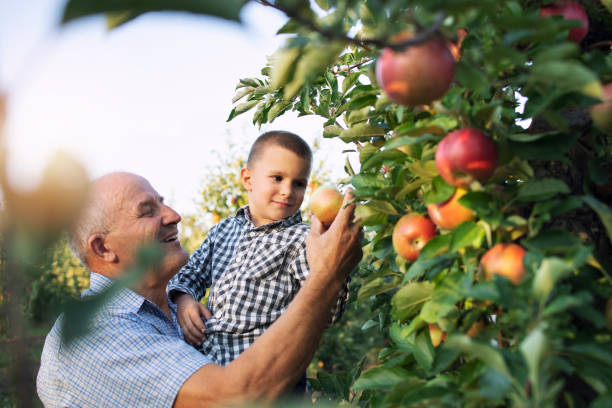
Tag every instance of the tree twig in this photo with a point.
(417, 39)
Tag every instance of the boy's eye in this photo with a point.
(300, 184)
(277, 178)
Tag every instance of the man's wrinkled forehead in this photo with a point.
(120, 192)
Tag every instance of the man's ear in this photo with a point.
(245, 176)
(96, 245)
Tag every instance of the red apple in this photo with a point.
(570, 10)
(418, 74)
(449, 214)
(601, 113)
(325, 203)
(410, 234)
(505, 260)
(465, 155)
(436, 334)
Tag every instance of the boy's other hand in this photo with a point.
(189, 314)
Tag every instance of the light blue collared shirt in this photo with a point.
(132, 356)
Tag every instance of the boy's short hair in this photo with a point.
(288, 140)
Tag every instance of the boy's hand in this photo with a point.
(189, 314)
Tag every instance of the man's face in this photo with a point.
(276, 183)
(140, 218)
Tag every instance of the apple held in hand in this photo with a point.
(325, 203)
(418, 74)
(505, 260)
(436, 334)
(449, 214)
(570, 10)
(465, 155)
(410, 234)
(601, 113)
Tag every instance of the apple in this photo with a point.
(601, 113)
(418, 74)
(55, 203)
(436, 334)
(570, 10)
(449, 214)
(465, 155)
(325, 203)
(505, 260)
(410, 235)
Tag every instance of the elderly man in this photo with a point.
(134, 354)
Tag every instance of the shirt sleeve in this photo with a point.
(131, 366)
(299, 268)
(195, 277)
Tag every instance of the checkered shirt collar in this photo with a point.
(125, 299)
(243, 215)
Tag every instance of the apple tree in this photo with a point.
(488, 122)
(481, 155)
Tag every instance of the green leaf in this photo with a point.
(553, 242)
(422, 265)
(332, 131)
(426, 170)
(406, 140)
(436, 246)
(471, 77)
(604, 212)
(404, 336)
(542, 189)
(283, 66)
(361, 132)
(562, 303)
(313, 61)
(423, 350)
(468, 233)
(550, 271)
(380, 157)
(483, 352)
(375, 287)
(381, 378)
(568, 75)
(527, 137)
(408, 300)
(227, 9)
(384, 207)
(440, 191)
(114, 20)
(368, 180)
(241, 108)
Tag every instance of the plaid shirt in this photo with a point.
(132, 356)
(253, 274)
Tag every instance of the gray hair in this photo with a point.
(93, 219)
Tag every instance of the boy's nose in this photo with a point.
(286, 189)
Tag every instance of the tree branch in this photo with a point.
(417, 39)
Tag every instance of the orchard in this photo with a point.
(479, 148)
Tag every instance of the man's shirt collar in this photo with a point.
(125, 298)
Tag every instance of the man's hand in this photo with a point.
(189, 314)
(337, 249)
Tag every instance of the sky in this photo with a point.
(151, 97)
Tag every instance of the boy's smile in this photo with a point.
(276, 183)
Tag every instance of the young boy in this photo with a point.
(254, 262)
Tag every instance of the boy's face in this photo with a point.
(276, 183)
